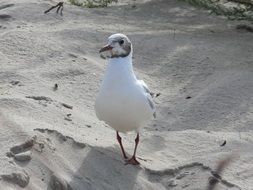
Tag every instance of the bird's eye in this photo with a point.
(121, 42)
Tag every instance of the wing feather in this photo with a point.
(149, 96)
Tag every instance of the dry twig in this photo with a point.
(60, 8)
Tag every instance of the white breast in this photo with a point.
(122, 102)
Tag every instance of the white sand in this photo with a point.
(178, 50)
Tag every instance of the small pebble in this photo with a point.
(14, 82)
(24, 156)
(55, 86)
(67, 119)
(67, 106)
(224, 143)
(158, 94)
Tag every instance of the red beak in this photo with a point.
(105, 48)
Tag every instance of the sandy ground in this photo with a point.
(200, 63)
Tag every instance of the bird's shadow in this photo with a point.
(104, 168)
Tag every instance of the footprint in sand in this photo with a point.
(22, 152)
(20, 178)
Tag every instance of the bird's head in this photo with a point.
(118, 45)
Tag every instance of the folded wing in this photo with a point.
(149, 96)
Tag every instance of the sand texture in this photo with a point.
(50, 136)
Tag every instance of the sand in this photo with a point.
(50, 137)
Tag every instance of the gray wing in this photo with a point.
(149, 96)
(145, 86)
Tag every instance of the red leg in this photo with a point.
(121, 146)
(133, 160)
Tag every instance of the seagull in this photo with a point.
(123, 102)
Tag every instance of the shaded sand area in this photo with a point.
(51, 139)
